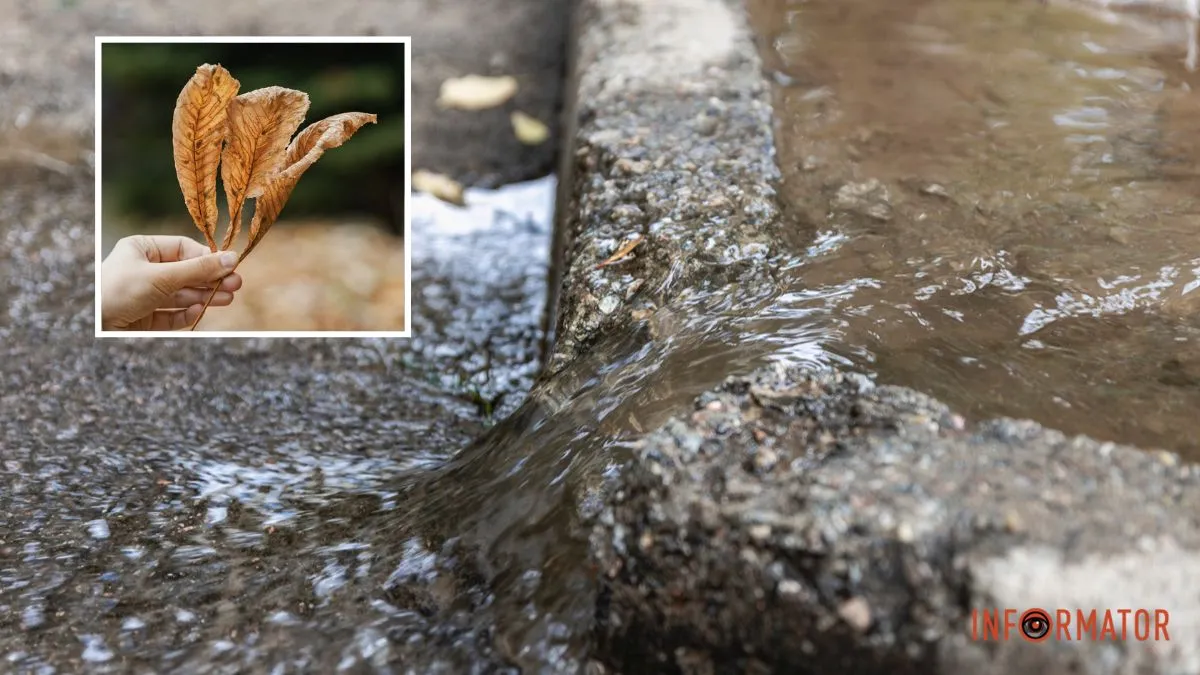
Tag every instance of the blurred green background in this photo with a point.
(363, 178)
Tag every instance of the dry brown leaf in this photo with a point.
(440, 186)
(324, 135)
(302, 153)
(476, 92)
(529, 130)
(258, 163)
(623, 252)
(197, 134)
(261, 123)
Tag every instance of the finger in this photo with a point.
(230, 283)
(195, 272)
(192, 314)
(191, 296)
(176, 319)
(166, 248)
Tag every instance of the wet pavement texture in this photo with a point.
(233, 506)
(412, 553)
(1002, 203)
(483, 283)
(792, 522)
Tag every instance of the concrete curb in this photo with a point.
(807, 522)
(672, 142)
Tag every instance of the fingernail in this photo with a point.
(229, 260)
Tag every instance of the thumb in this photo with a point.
(197, 271)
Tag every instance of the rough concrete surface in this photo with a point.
(816, 523)
(820, 524)
(674, 145)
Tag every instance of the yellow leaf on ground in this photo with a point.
(197, 134)
(441, 186)
(476, 92)
(529, 130)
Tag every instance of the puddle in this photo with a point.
(1006, 196)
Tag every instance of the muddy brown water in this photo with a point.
(1002, 203)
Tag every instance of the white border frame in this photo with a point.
(101, 40)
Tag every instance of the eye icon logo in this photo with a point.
(1076, 625)
(1035, 625)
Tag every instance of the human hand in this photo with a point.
(161, 282)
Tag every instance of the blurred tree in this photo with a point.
(140, 83)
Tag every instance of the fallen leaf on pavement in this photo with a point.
(529, 130)
(476, 92)
(624, 251)
(441, 186)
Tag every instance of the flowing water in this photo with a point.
(1006, 195)
(351, 533)
(319, 507)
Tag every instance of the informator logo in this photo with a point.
(1070, 625)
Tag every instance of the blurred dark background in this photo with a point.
(363, 178)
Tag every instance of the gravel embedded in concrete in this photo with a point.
(674, 145)
(823, 524)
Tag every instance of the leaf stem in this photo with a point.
(212, 295)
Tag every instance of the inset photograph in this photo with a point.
(253, 186)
